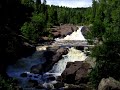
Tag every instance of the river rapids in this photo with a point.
(23, 65)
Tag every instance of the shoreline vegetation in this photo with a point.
(26, 23)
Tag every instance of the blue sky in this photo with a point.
(70, 3)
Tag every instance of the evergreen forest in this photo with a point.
(28, 20)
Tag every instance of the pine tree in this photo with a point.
(106, 26)
(38, 6)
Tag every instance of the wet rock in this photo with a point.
(62, 51)
(67, 29)
(49, 54)
(109, 84)
(36, 69)
(75, 72)
(59, 53)
(54, 49)
(53, 55)
(84, 30)
(23, 75)
(57, 57)
(81, 74)
(63, 30)
(56, 34)
(68, 74)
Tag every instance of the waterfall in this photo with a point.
(23, 65)
(76, 35)
(72, 56)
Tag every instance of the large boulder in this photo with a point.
(82, 73)
(84, 30)
(62, 51)
(75, 72)
(49, 54)
(53, 55)
(109, 84)
(56, 34)
(63, 30)
(57, 57)
(67, 29)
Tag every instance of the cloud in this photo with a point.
(70, 3)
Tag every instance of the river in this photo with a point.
(23, 65)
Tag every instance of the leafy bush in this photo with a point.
(35, 28)
(107, 51)
(6, 84)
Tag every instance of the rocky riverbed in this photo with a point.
(53, 67)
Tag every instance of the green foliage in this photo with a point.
(73, 15)
(28, 3)
(45, 16)
(107, 62)
(35, 28)
(37, 18)
(33, 20)
(6, 84)
(38, 21)
(29, 31)
(106, 29)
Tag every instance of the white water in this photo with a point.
(72, 56)
(76, 35)
(24, 64)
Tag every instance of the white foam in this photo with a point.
(72, 56)
(23, 65)
(76, 35)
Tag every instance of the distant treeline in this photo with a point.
(26, 21)
(31, 20)
(45, 16)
